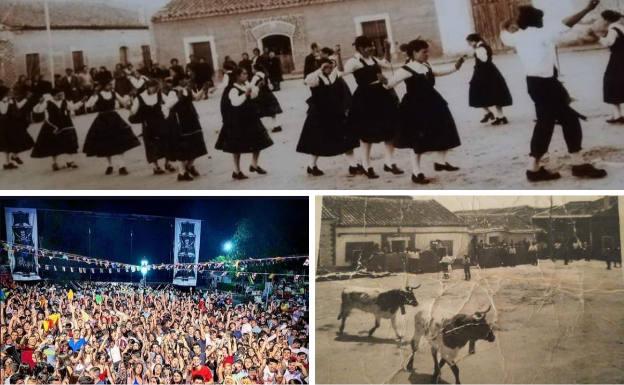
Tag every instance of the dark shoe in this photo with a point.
(489, 116)
(10, 166)
(169, 167)
(158, 171)
(258, 169)
(123, 171)
(620, 120)
(420, 179)
(72, 165)
(394, 169)
(614, 121)
(445, 167)
(193, 171)
(542, 175)
(55, 167)
(315, 171)
(186, 177)
(588, 171)
(370, 173)
(17, 159)
(239, 176)
(109, 170)
(277, 129)
(500, 122)
(353, 171)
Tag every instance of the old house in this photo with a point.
(356, 226)
(501, 225)
(214, 29)
(595, 222)
(92, 34)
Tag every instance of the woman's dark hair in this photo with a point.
(327, 51)
(529, 16)
(611, 16)
(321, 62)
(474, 37)
(229, 65)
(414, 46)
(362, 42)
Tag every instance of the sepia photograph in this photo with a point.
(473, 289)
(141, 290)
(311, 94)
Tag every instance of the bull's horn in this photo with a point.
(481, 314)
(487, 310)
(413, 288)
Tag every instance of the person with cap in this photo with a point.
(373, 115)
(425, 121)
(613, 84)
(109, 135)
(57, 135)
(148, 108)
(325, 132)
(535, 44)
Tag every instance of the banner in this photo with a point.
(186, 251)
(21, 227)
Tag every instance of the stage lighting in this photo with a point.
(144, 267)
(228, 246)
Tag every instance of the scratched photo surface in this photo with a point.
(501, 289)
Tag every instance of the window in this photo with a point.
(78, 60)
(147, 56)
(442, 248)
(376, 31)
(397, 246)
(356, 251)
(123, 55)
(494, 240)
(32, 65)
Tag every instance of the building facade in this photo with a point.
(81, 34)
(505, 225)
(215, 29)
(356, 226)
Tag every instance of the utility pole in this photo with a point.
(49, 32)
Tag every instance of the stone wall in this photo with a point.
(327, 244)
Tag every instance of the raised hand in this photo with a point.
(593, 4)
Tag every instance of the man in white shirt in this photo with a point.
(536, 46)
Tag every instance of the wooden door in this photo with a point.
(78, 60)
(32, 65)
(488, 16)
(377, 31)
(202, 50)
(147, 56)
(280, 45)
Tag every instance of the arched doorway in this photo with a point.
(282, 46)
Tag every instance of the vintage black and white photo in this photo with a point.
(479, 289)
(311, 94)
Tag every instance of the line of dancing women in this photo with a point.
(338, 122)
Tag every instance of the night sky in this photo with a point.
(277, 226)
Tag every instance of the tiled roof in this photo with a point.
(603, 206)
(190, 9)
(30, 14)
(508, 218)
(386, 211)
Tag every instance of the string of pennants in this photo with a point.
(105, 266)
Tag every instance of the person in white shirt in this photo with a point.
(242, 130)
(109, 135)
(374, 109)
(425, 122)
(57, 135)
(613, 86)
(535, 44)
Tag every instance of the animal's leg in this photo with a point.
(344, 313)
(471, 347)
(393, 320)
(455, 370)
(377, 323)
(436, 366)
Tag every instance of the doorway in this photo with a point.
(282, 46)
(488, 15)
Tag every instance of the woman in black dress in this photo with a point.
(614, 75)
(109, 135)
(426, 124)
(188, 138)
(57, 135)
(242, 130)
(147, 109)
(14, 121)
(488, 88)
(268, 105)
(325, 129)
(374, 109)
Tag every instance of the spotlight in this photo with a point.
(228, 246)
(144, 267)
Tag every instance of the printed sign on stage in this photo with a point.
(186, 251)
(21, 227)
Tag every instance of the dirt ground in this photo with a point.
(491, 158)
(554, 324)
